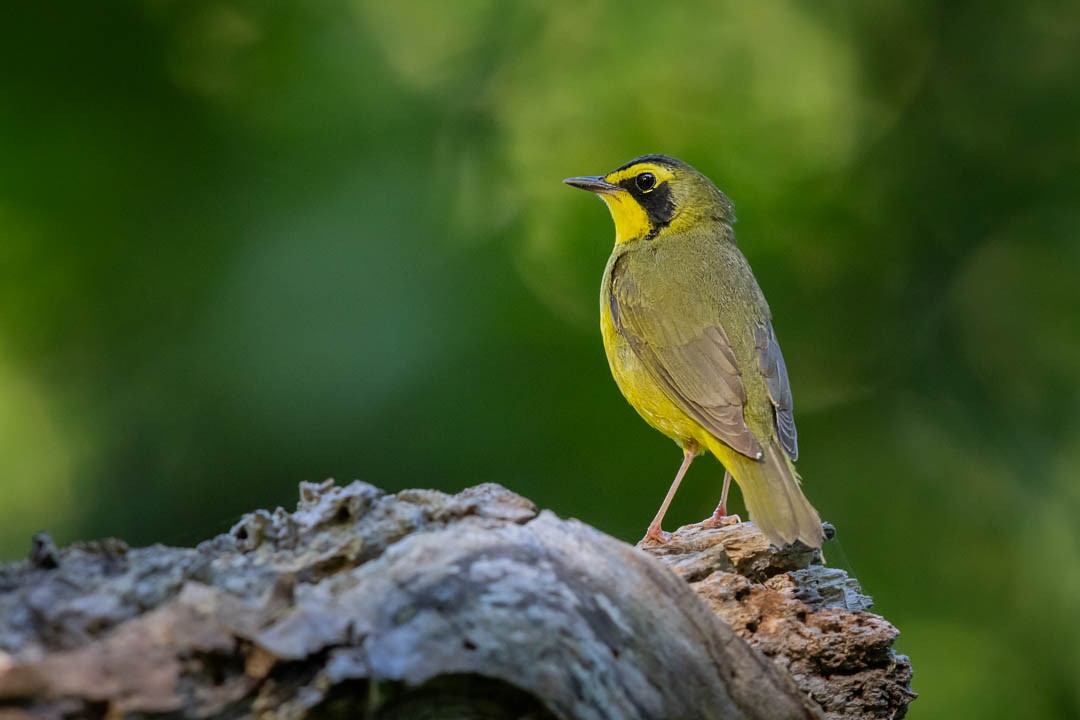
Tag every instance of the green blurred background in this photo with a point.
(244, 244)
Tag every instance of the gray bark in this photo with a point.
(427, 605)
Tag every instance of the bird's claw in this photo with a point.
(719, 521)
(655, 536)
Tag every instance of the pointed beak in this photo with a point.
(592, 183)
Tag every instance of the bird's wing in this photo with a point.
(694, 365)
(771, 362)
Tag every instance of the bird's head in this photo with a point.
(656, 194)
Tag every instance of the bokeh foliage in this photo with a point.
(244, 244)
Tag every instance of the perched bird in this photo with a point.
(690, 341)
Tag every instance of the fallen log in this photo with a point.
(428, 605)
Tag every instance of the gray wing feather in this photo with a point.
(771, 362)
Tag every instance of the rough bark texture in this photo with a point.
(427, 605)
(810, 619)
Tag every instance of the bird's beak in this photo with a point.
(593, 183)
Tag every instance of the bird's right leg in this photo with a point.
(720, 516)
(655, 534)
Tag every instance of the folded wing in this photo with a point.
(695, 366)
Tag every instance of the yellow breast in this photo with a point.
(640, 390)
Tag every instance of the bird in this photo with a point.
(690, 342)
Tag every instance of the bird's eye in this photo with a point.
(646, 181)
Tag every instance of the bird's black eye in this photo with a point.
(646, 181)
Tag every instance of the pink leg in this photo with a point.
(655, 533)
(721, 509)
(720, 517)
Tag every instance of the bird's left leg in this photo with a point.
(720, 516)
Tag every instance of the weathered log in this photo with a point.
(427, 605)
(810, 619)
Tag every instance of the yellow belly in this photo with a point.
(642, 392)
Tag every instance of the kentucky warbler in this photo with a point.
(690, 341)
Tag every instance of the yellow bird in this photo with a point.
(690, 341)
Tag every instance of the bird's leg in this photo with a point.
(720, 516)
(655, 534)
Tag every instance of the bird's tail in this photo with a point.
(774, 500)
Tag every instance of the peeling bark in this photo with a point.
(427, 605)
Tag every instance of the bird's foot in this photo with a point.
(655, 536)
(719, 521)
